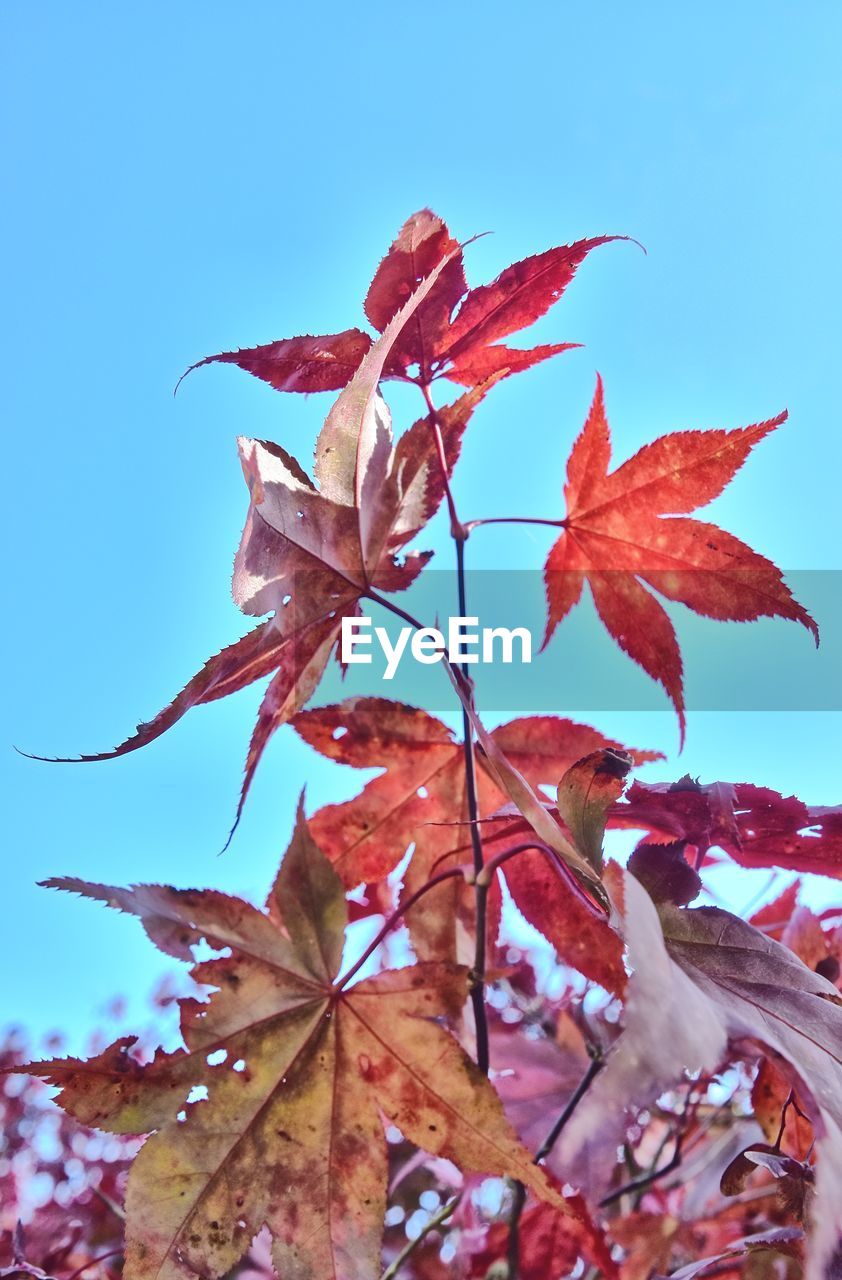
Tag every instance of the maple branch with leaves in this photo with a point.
(312, 1114)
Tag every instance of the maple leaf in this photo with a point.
(465, 349)
(630, 529)
(764, 991)
(324, 363)
(755, 826)
(309, 555)
(290, 1132)
(421, 797)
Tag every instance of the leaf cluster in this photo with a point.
(669, 1102)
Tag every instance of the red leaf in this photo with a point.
(476, 365)
(773, 918)
(581, 939)
(308, 555)
(520, 295)
(422, 243)
(420, 798)
(302, 666)
(323, 363)
(551, 1244)
(616, 537)
(755, 826)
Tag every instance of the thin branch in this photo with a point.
(468, 740)
(594, 1068)
(409, 1248)
(682, 1145)
(790, 1102)
(519, 1200)
(642, 1184)
(513, 1251)
(457, 529)
(376, 598)
(385, 603)
(459, 534)
(482, 887)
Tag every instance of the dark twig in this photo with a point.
(519, 1200)
(596, 1065)
(790, 1102)
(457, 529)
(513, 1252)
(459, 534)
(646, 1181)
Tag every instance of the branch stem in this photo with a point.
(642, 1183)
(459, 533)
(519, 1200)
(595, 1066)
(457, 530)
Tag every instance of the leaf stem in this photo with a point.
(487, 873)
(393, 919)
(476, 524)
(385, 603)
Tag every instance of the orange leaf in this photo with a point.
(627, 530)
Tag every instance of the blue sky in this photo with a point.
(181, 179)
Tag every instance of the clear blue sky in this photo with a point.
(181, 179)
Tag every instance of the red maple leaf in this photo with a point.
(466, 349)
(420, 799)
(628, 529)
(756, 826)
